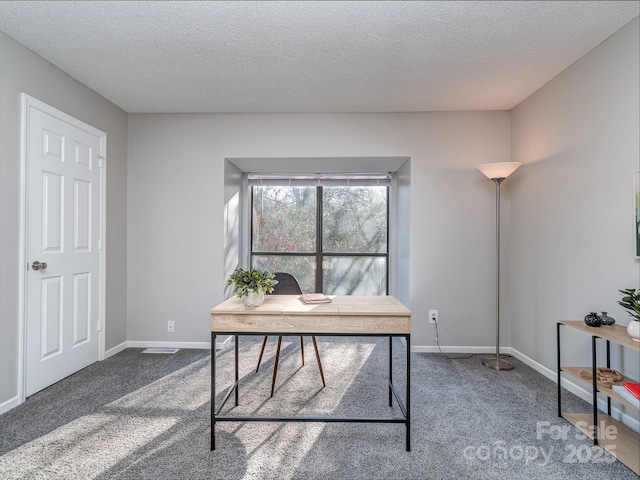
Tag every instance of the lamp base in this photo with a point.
(497, 364)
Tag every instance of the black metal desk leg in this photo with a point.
(213, 391)
(595, 390)
(235, 340)
(408, 394)
(608, 366)
(390, 367)
(558, 369)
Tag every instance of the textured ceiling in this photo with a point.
(389, 56)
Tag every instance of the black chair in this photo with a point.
(287, 285)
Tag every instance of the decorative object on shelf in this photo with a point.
(497, 172)
(606, 377)
(631, 302)
(251, 285)
(593, 319)
(606, 319)
(633, 329)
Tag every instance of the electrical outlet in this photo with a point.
(433, 316)
(171, 326)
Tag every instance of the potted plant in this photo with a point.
(631, 302)
(252, 285)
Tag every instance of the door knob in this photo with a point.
(38, 266)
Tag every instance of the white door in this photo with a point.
(63, 245)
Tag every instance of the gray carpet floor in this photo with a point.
(139, 415)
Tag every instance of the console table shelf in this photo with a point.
(626, 444)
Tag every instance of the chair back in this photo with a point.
(287, 285)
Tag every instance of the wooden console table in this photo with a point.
(625, 443)
(376, 316)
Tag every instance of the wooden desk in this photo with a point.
(378, 316)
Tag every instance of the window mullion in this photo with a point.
(251, 226)
(387, 274)
(319, 272)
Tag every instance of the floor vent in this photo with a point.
(160, 350)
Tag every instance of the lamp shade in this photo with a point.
(498, 170)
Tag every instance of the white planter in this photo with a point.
(633, 329)
(253, 299)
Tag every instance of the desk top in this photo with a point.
(287, 314)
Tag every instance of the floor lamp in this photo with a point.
(498, 172)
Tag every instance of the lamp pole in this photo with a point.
(497, 363)
(498, 172)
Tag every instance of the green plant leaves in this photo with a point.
(631, 302)
(255, 280)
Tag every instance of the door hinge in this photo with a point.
(100, 161)
(99, 244)
(99, 325)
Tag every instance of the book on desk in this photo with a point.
(311, 298)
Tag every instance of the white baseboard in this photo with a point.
(224, 342)
(220, 344)
(147, 344)
(117, 349)
(9, 404)
(458, 349)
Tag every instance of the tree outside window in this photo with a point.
(333, 239)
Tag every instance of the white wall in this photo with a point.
(572, 228)
(176, 208)
(234, 200)
(23, 71)
(399, 206)
(403, 235)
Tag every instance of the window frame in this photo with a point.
(319, 255)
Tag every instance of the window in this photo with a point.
(332, 234)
